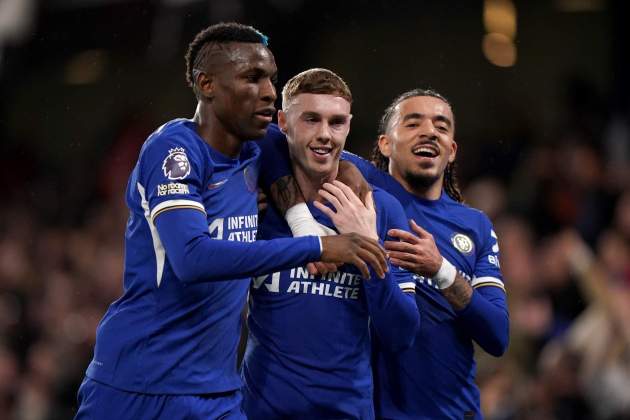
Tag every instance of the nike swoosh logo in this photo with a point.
(217, 184)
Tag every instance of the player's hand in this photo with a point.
(352, 248)
(351, 214)
(418, 254)
(321, 268)
(353, 178)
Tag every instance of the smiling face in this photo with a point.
(316, 126)
(240, 88)
(419, 142)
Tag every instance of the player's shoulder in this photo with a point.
(471, 216)
(464, 209)
(274, 129)
(364, 165)
(387, 205)
(180, 131)
(382, 196)
(348, 155)
(174, 137)
(273, 134)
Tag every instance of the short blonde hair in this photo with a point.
(318, 81)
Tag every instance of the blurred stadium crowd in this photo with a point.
(563, 221)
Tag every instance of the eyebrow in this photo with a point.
(417, 115)
(258, 70)
(317, 114)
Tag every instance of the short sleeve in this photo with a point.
(171, 175)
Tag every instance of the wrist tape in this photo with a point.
(445, 276)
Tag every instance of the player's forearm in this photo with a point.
(459, 293)
(285, 193)
(393, 313)
(196, 257)
(485, 319)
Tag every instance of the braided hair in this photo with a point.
(221, 33)
(382, 162)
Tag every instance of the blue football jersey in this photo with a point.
(166, 336)
(436, 377)
(308, 352)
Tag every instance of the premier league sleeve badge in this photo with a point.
(176, 164)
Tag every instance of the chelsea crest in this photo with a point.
(463, 243)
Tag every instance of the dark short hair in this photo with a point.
(318, 81)
(389, 111)
(220, 33)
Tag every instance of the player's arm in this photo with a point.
(196, 257)
(486, 317)
(394, 313)
(172, 174)
(390, 301)
(481, 306)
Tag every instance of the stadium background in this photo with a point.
(540, 91)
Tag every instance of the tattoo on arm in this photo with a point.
(459, 293)
(285, 193)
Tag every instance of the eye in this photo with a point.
(252, 78)
(338, 122)
(442, 128)
(412, 125)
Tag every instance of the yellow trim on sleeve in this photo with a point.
(184, 206)
(489, 283)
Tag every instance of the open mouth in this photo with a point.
(424, 150)
(321, 150)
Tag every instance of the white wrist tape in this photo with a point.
(445, 276)
(301, 221)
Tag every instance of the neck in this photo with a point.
(429, 190)
(213, 132)
(310, 183)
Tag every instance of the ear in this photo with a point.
(205, 85)
(451, 158)
(385, 145)
(282, 121)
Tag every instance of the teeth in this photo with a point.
(424, 150)
(320, 150)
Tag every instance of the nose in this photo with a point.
(323, 134)
(268, 91)
(427, 129)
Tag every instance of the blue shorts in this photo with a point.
(98, 401)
